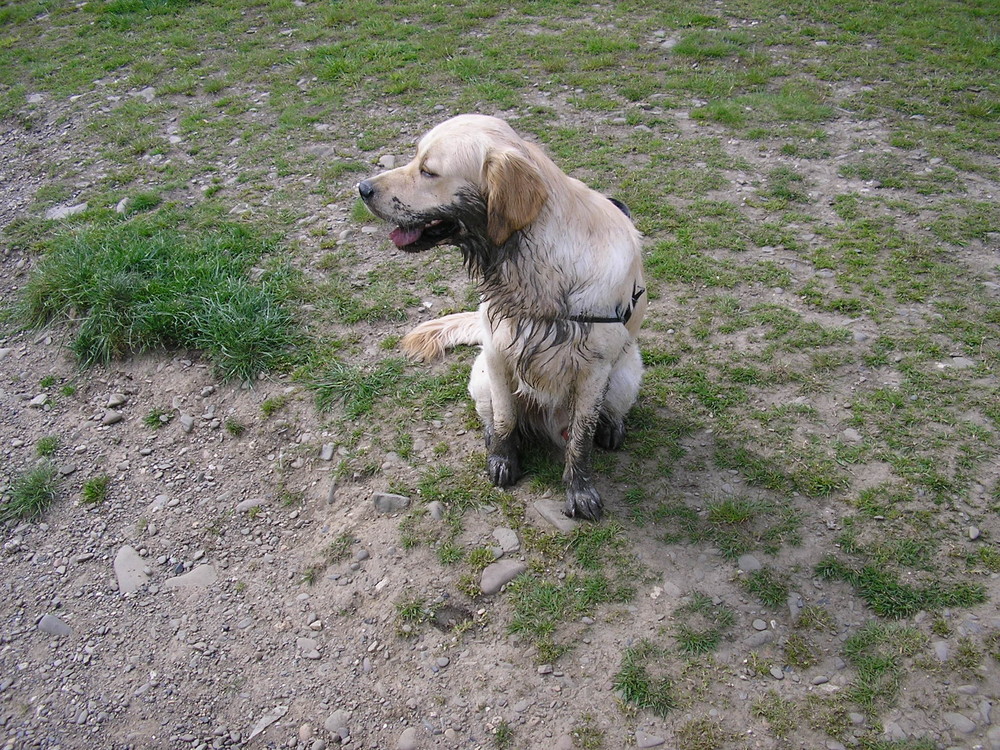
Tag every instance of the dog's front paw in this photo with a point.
(583, 501)
(503, 471)
(610, 433)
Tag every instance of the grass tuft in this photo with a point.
(31, 494)
(95, 490)
(637, 687)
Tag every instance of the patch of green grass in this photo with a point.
(47, 446)
(147, 283)
(701, 624)
(234, 427)
(157, 418)
(503, 735)
(540, 605)
(593, 545)
(767, 585)
(800, 652)
(638, 683)
(95, 490)
(340, 548)
(782, 715)
(883, 592)
(702, 734)
(738, 525)
(877, 652)
(31, 494)
(587, 735)
(359, 388)
(271, 406)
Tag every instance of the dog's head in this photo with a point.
(473, 178)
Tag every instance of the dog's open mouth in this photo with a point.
(416, 238)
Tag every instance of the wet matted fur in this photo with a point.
(559, 267)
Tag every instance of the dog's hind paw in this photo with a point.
(583, 501)
(610, 433)
(502, 470)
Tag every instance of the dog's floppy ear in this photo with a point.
(514, 194)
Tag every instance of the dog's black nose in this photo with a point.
(366, 189)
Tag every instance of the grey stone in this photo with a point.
(246, 505)
(386, 502)
(436, 510)
(336, 721)
(186, 422)
(795, 605)
(851, 435)
(776, 673)
(326, 452)
(407, 740)
(116, 399)
(820, 679)
(974, 533)
(993, 738)
(267, 720)
(387, 161)
(203, 575)
(497, 574)
(308, 646)
(962, 362)
(760, 639)
(759, 624)
(507, 539)
(940, 650)
(552, 511)
(894, 731)
(130, 570)
(961, 723)
(642, 739)
(111, 417)
(39, 401)
(54, 626)
(748, 563)
(64, 211)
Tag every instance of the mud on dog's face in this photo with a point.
(471, 178)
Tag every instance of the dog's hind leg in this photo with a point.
(623, 388)
(495, 407)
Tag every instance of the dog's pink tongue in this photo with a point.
(403, 237)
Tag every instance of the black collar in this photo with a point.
(622, 313)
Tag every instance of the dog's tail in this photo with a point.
(429, 340)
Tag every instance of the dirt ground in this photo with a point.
(222, 643)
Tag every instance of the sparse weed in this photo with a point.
(47, 446)
(95, 490)
(157, 418)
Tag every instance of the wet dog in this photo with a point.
(559, 268)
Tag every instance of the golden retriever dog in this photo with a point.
(559, 268)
